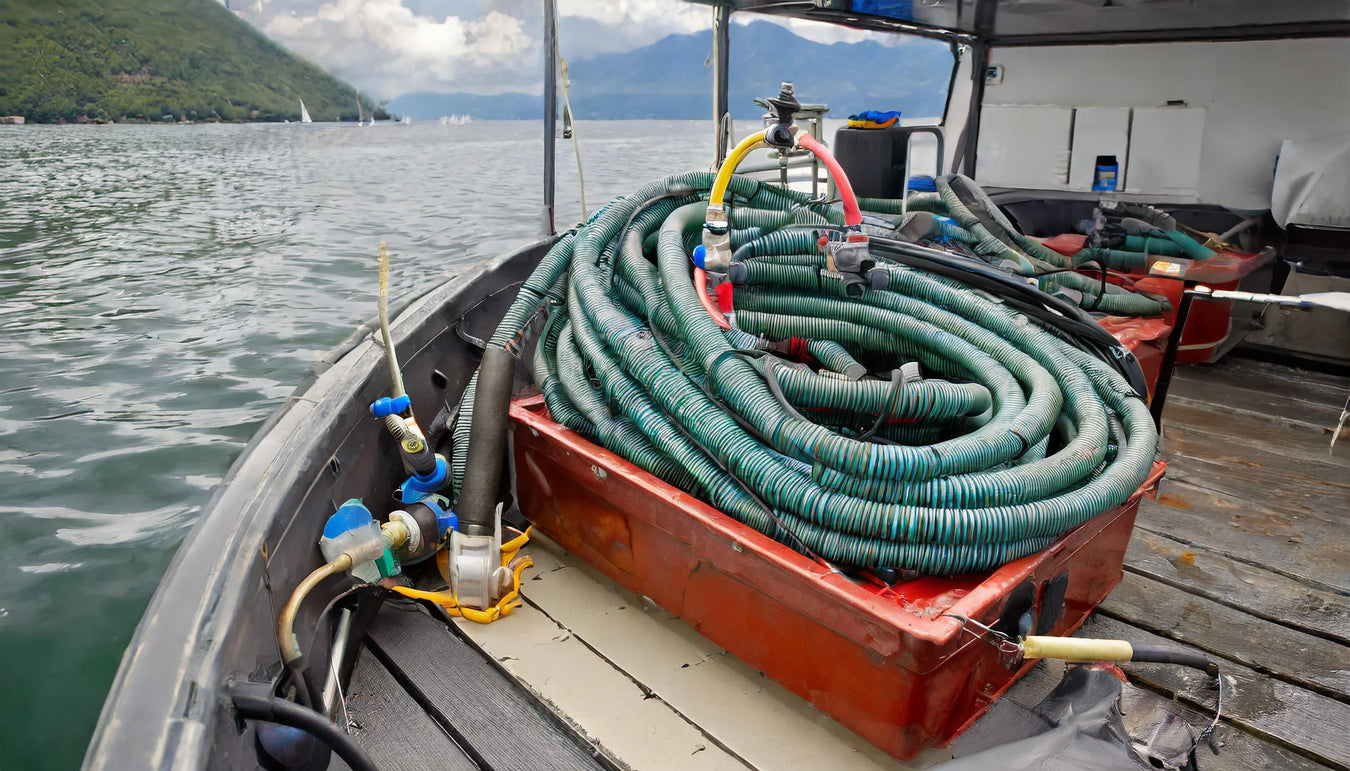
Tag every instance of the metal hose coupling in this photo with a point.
(477, 576)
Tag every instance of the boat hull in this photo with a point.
(887, 664)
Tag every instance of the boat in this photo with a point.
(582, 603)
(304, 114)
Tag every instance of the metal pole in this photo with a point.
(721, 63)
(985, 11)
(550, 108)
(1169, 360)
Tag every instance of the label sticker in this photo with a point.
(1166, 268)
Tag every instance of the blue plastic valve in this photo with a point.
(699, 254)
(385, 406)
(349, 516)
(418, 486)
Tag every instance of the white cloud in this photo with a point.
(391, 47)
(384, 47)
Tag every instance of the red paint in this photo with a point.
(1146, 338)
(882, 661)
(1210, 321)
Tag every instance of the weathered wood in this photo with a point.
(392, 728)
(1309, 408)
(1283, 653)
(1249, 588)
(1306, 550)
(1267, 377)
(506, 725)
(1232, 424)
(1308, 723)
(1311, 487)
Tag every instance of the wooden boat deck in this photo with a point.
(1244, 556)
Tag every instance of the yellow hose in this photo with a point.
(728, 167)
(290, 646)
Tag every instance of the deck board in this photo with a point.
(389, 725)
(1283, 653)
(1256, 590)
(1245, 556)
(1251, 533)
(507, 726)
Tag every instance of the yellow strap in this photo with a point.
(508, 603)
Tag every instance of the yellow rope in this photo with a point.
(511, 558)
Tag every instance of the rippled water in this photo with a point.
(162, 288)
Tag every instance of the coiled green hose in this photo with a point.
(1015, 436)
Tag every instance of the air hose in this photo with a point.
(1005, 432)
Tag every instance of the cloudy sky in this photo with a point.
(391, 47)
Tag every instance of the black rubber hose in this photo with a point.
(1161, 654)
(1067, 317)
(487, 442)
(270, 709)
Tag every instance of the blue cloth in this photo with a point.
(923, 184)
(876, 116)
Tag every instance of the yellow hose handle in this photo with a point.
(1076, 649)
(511, 558)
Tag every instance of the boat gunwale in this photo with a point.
(172, 671)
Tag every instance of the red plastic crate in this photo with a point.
(1211, 321)
(888, 665)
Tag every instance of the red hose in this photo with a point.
(852, 214)
(701, 289)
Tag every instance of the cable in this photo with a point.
(271, 709)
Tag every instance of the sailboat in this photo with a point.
(304, 114)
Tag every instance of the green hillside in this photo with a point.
(100, 60)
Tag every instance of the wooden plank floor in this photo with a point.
(1246, 556)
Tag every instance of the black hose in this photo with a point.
(1162, 654)
(487, 442)
(1052, 311)
(271, 709)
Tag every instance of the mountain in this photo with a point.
(668, 79)
(97, 60)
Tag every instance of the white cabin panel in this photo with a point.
(1255, 94)
(1098, 131)
(1165, 151)
(1024, 146)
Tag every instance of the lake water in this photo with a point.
(162, 288)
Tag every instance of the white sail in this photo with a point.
(304, 114)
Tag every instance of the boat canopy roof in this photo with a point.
(1071, 22)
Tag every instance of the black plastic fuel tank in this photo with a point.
(873, 159)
